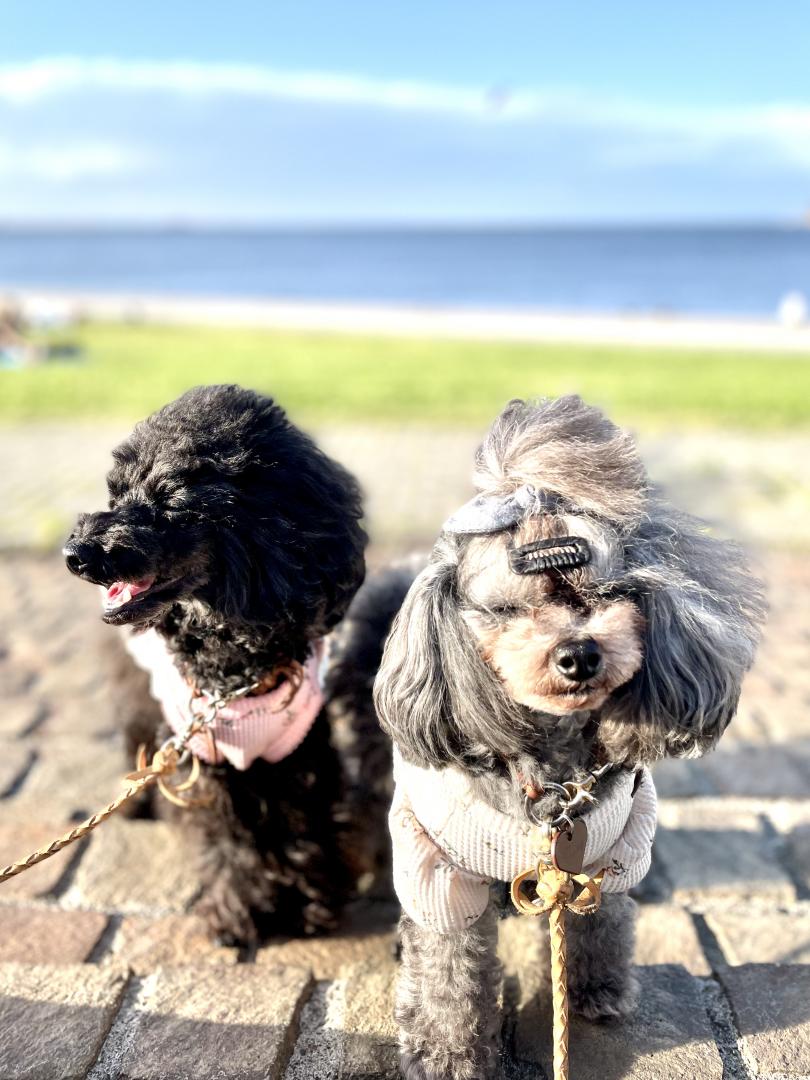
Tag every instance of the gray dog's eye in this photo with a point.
(506, 611)
(497, 610)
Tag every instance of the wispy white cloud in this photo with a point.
(668, 132)
(128, 139)
(69, 161)
(25, 83)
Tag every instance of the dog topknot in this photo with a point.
(567, 447)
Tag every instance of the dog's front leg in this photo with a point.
(601, 983)
(234, 880)
(447, 1002)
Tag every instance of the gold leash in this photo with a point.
(173, 753)
(556, 893)
(163, 765)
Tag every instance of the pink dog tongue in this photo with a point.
(118, 587)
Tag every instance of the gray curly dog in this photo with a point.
(567, 618)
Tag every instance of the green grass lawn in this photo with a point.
(128, 370)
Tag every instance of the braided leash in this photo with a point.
(560, 886)
(556, 893)
(165, 763)
(559, 989)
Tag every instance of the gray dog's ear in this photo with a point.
(703, 610)
(433, 694)
(410, 691)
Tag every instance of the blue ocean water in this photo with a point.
(732, 271)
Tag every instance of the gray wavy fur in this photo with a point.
(444, 706)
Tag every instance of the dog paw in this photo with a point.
(414, 1066)
(227, 924)
(605, 1002)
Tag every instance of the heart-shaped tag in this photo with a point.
(568, 848)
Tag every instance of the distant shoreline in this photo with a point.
(420, 321)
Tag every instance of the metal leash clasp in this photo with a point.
(575, 795)
(176, 752)
(164, 764)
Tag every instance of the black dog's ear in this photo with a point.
(703, 609)
(433, 694)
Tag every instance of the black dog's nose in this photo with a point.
(577, 660)
(80, 556)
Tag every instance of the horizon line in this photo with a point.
(172, 224)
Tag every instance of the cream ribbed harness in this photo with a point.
(449, 847)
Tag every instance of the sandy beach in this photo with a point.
(482, 324)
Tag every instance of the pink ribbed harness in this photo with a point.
(268, 726)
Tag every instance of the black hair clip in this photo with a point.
(558, 553)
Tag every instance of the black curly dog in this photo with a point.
(251, 542)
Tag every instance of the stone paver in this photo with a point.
(17, 841)
(318, 1052)
(787, 815)
(15, 758)
(772, 1009)
(678, 778)
(144, 944)
(365, 1019)
(88, 714)
(19, 716)
(72, 778)
(772, 937)
(367, 939)
(798, 854)
(665, 934)
(136, 867)
(522, 944)
(53, 1020)
(16, 675)
(716, 849)
(331, 957)
(40, 936)
(759, 771)
(207, 1023)
(670, 1036)
(706, 865)
(52, 674)
(347, 1029)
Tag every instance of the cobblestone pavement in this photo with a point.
(105, 971)
(415, 477)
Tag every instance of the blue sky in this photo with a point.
(327, 112)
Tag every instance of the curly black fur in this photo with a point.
(252, 542)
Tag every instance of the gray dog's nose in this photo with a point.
(577, 660)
